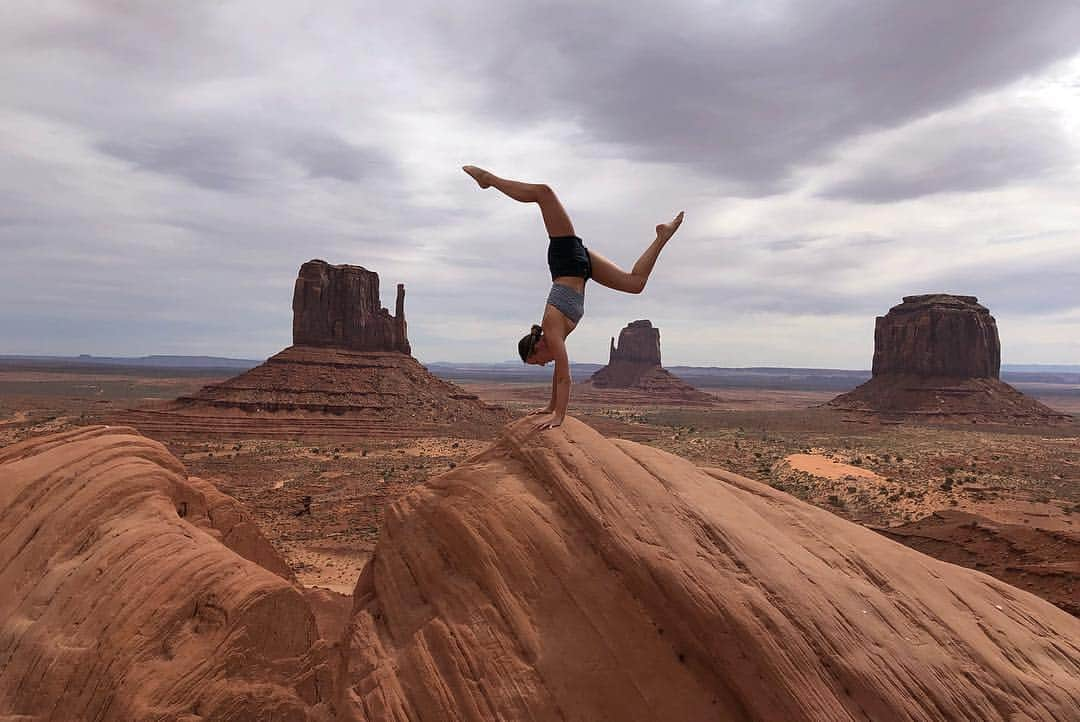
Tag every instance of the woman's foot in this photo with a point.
(481, 176)
(664, 231)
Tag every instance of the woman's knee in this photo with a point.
(544, 193)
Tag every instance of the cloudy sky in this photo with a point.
(166, 167)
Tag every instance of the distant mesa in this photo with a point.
(937, 356)
(634, 364)
(339, 307)
(349, 372)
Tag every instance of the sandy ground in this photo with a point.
(823, 466)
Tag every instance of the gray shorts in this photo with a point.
(569, 302)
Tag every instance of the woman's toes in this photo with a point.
(478, 174)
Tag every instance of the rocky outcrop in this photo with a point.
(349, 374)
(134, 593)
(339, 306)
(562, 575)
(306, 391)
(938, 357)
(557, 575)
(635, 365)
(639, 343)
(937, 335)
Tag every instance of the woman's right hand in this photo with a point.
(547, 410)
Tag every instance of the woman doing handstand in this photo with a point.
(571, 264)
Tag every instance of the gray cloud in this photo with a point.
(165, 169)
(750, 95)
(225, 160)
(995, 149)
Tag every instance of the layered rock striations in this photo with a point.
(132, 592)
(339, 306)
(348, 373)
(937, 335)
(562, 575)
(557, 575)
(634, 365)
(938, 356)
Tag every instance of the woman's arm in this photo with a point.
(560, 381)
(551, 404)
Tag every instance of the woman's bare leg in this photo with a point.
(608, 274)
(556, 219)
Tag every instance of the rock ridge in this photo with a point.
(677, 594)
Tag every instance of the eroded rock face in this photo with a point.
(635, 365)
(349, 374)
(563, 575)
(339, 306)
(131, 592)
(938, 357)
(937, 335)
(639, 343)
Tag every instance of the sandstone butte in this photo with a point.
(634, 365)
(938, 356)
(349, 373)
(554, 576)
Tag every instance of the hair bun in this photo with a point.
(536, 330)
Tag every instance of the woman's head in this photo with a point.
(530, 344)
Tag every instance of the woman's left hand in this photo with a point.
(556, 421)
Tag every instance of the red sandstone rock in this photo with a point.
(639, 343)
(555, 576)
(937, 335)
(122, 599)
(938, 357)
(316, 391)
(635, 364)
(339, 306)
(562, 575)
(349, 374)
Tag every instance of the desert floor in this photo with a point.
(1005, 500)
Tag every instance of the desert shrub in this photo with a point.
(947, 484)
(835, 500)
(857, 461)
